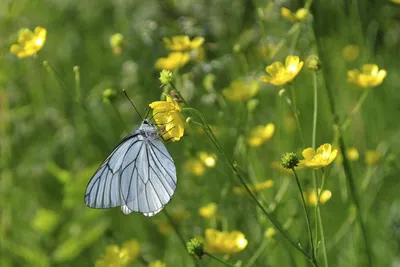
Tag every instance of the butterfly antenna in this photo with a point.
(132, 104)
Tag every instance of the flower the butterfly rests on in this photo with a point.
(139, 175)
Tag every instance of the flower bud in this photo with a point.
(290, 160)
(313, 63)
(195, 248)
(165, 77)
(109, 95)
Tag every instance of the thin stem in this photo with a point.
(296, 115)
(119, 117)
(355, 110)
(319, 218)
(77, 84)
(310, 235)
(258, 253)
(218, 259)
(177, 232)
(342, 146)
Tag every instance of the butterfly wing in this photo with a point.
(155, 182)
(139, 175)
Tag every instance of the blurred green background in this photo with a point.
(50, 146)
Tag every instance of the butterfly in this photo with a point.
(139, 175)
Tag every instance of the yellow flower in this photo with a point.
(352, 154)
(117, 42)
(224, 242)
(396, 1)
(370, 76)
(167, 114)
(173, 61)
(254, 188)
(29, 43)
(279, 74)
(372, 157)
(260, 134)
(320, 158)
(182, 43)
(119, 256)
(208, 211)
(311, 197)
(269, 233)
(195, 167)
(208, 159)
(350, 52)
(241, 90)
(157, 263)
(299, 16)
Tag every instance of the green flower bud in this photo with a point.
(165, 77)
(109, 95)
(290, 160)
(195, 248)
(313, 63)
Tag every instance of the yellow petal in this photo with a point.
(308, 153)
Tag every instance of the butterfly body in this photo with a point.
(139, 175)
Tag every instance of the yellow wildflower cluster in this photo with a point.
(279, 74)
(224, 242)
(254, 188)
(260, 134)
(168, 117)
(119, 256)
(300, 15)
(320, 158)
(180, 46)
(240, 90)
(369, 76)
(29, 43)
(198, 166)
(209, 211)
(311, 197)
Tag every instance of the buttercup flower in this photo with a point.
(280, 74)
(167, 114)
(208, 159)
(320, 158)
(396, 1)
(370, 76)
(29, 43)
(299, 16)
(208, 211)
(224, 242)
(173, 61)
(350, 52)
(260, 134)
(254, 188)
(195, 166)
(119, 256)
(241, 91)
(372, 157)
(157, 263)
(352, 154)
(311, 198)
(182, 43)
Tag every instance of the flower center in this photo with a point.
(39, 41)
(292, 68)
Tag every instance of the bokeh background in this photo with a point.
(50, 146)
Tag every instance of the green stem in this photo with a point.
(218, 259)
(319, 217)
(77, 84)
(257, 254)
(119, 116)
(177, 232)
(296, 115)
(346, 164)
(310, 235)
(355, 110)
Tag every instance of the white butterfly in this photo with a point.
(139, 175)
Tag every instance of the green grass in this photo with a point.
(50, 145)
